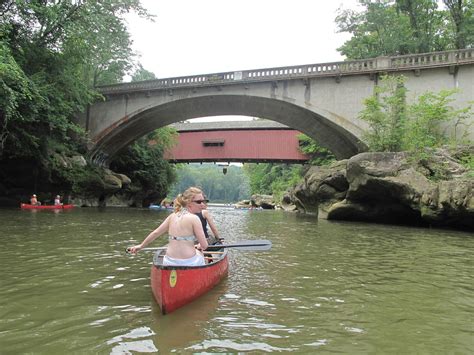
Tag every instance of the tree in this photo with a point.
(141, 74)
(425, 21)
(377, 31)
(144, 164)
(462, 24)
(17, 92)
(52, 54)
(397, 27)
(60, 49)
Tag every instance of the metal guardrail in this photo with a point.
(379, 64)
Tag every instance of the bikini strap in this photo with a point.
(190, 238)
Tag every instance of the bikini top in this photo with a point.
(189, 238)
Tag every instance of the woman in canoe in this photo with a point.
(57, 200)
(184, 228)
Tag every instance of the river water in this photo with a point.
(325, 287)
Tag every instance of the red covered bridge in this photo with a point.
(237, 141)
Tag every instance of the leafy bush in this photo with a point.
(318, 155)
(385, 112)
(273, 179)
(67, 176)
(395, 125)
(468, 161)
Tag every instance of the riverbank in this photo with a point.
(433, 189)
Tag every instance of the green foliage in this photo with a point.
(461, 26)
(17, 92)
(426, 115)
(372, 31)
(397, 27)
(143, 163)
(272, 179)
(468, 162)
(165, 137)
(318, 155)
(217, 186)
(80, 180)
(141, 74)
(285, 178)
(395, 126)
(385, 112)
(231, 187)
(52, 54)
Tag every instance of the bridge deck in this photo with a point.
(415, 61)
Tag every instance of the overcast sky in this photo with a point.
(192, 37)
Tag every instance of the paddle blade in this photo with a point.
(249, 245)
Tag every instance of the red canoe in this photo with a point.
(26, 206)
(176, 286)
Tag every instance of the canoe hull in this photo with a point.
(174, 287)
(26, 206)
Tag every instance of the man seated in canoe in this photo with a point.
(206, 219)
(183, 227)
(34, 201)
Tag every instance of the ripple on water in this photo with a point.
(131, 347)
(231, 345)
(324, 286)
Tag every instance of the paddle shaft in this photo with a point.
(164, 248)
(244, 245)
(250, 245)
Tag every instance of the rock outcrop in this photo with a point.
(265, 202)
(322, 187)
(399, 188)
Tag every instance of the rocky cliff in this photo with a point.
(429, 189)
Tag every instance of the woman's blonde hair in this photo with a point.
(186, 197)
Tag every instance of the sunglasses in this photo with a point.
(201, 201)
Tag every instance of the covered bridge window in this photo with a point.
(213, 143)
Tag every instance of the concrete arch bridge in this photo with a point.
(320, 100)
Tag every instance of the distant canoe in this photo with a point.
(26, 206)
(176, 286)
(158, 207)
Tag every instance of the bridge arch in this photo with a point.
(321, 100)
(331, 131)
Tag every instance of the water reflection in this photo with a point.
(187, 325)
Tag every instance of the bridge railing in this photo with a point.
(353, 67)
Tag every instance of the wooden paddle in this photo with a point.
(249, 245)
